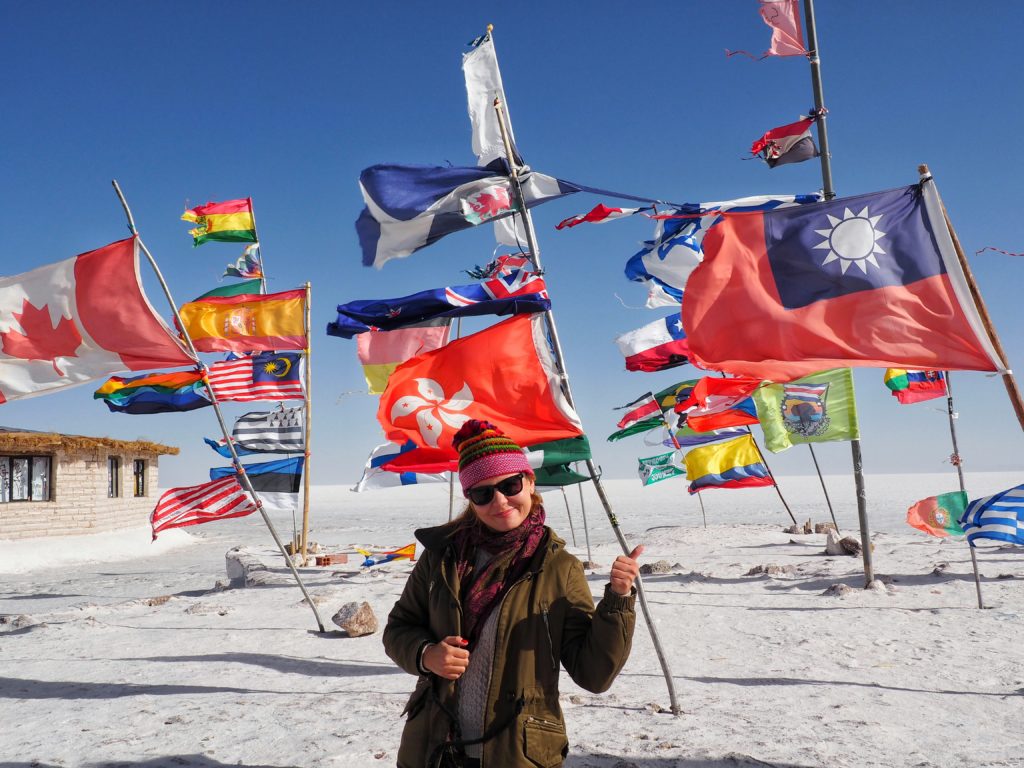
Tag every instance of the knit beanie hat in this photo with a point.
(485, 451)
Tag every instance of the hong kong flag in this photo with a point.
(872, 281)
(80, 319)
(504, 375)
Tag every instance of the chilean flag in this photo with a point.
(871, 280)
(655, 347)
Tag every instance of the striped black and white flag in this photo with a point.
(280, 431)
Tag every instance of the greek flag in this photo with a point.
(1000, 517)
(280, 431)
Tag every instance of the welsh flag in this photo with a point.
(80, 319)
(504, 374)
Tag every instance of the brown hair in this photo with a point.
(468, 516)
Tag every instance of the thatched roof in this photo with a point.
(13, 440)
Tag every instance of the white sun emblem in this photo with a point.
(852, 239)
(431, 409)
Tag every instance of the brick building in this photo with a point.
(61, 485)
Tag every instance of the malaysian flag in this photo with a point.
(197, 504)
(279, 431)
(266, 376)
(999, 517)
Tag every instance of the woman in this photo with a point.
(493, 606)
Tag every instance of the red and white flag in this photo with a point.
(216, 500)
(642, 408)
(504, 374)
(80, 319)
(718, 403)
(787, 144)
(600, 214)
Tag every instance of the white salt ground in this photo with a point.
(115, 651)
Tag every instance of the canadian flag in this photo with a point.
(80, 319)
(504, 374)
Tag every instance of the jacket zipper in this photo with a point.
(551, 644)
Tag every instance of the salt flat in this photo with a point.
(115, 651)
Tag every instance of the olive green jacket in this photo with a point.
(546, 617)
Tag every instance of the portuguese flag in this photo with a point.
(228, 222)
(939, 515)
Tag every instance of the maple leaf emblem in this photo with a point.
(41, 340)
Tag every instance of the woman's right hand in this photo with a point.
(448, 658)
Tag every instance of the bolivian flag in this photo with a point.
(228, 222)
(247, 323)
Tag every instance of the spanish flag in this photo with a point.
(228, 222)
(248, 322)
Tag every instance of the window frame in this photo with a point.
(139, 478)
(31, 459)
(113, 477)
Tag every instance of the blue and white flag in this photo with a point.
(221, 447)
(666, 261)
(374, 477)
(408, 207)
(1000, 517)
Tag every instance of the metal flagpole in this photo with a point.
(823, 488)
(244, 478)
(568, 514)
(829, 193)
(259, 248)
(586, 528)
(955, 458)
(556, 346)
(309, 426)
(675, 442)
(451, 475)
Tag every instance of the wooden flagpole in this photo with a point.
(304, 542)
(955, 458)
(829, 192)
(1009, 381)
(556, 346)
(243, 477)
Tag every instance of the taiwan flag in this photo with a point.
(872, 280)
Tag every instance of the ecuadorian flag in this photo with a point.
(228, 222)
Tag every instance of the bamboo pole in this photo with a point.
(244, 478)
(556, 345)
(309, 426)
(955, 458)
(829, 192)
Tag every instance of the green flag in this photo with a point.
(234, 289)
(654, 469)
(551, 460)
(637, 427)
(815, 409)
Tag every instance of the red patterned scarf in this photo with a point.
(481, 590)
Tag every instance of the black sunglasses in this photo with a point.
(483, 494)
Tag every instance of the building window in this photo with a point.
(113, 477)
(24, 478)
(140, 477)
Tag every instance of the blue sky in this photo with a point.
(288, 102)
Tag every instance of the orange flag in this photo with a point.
(504, 374)
(247, 322)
